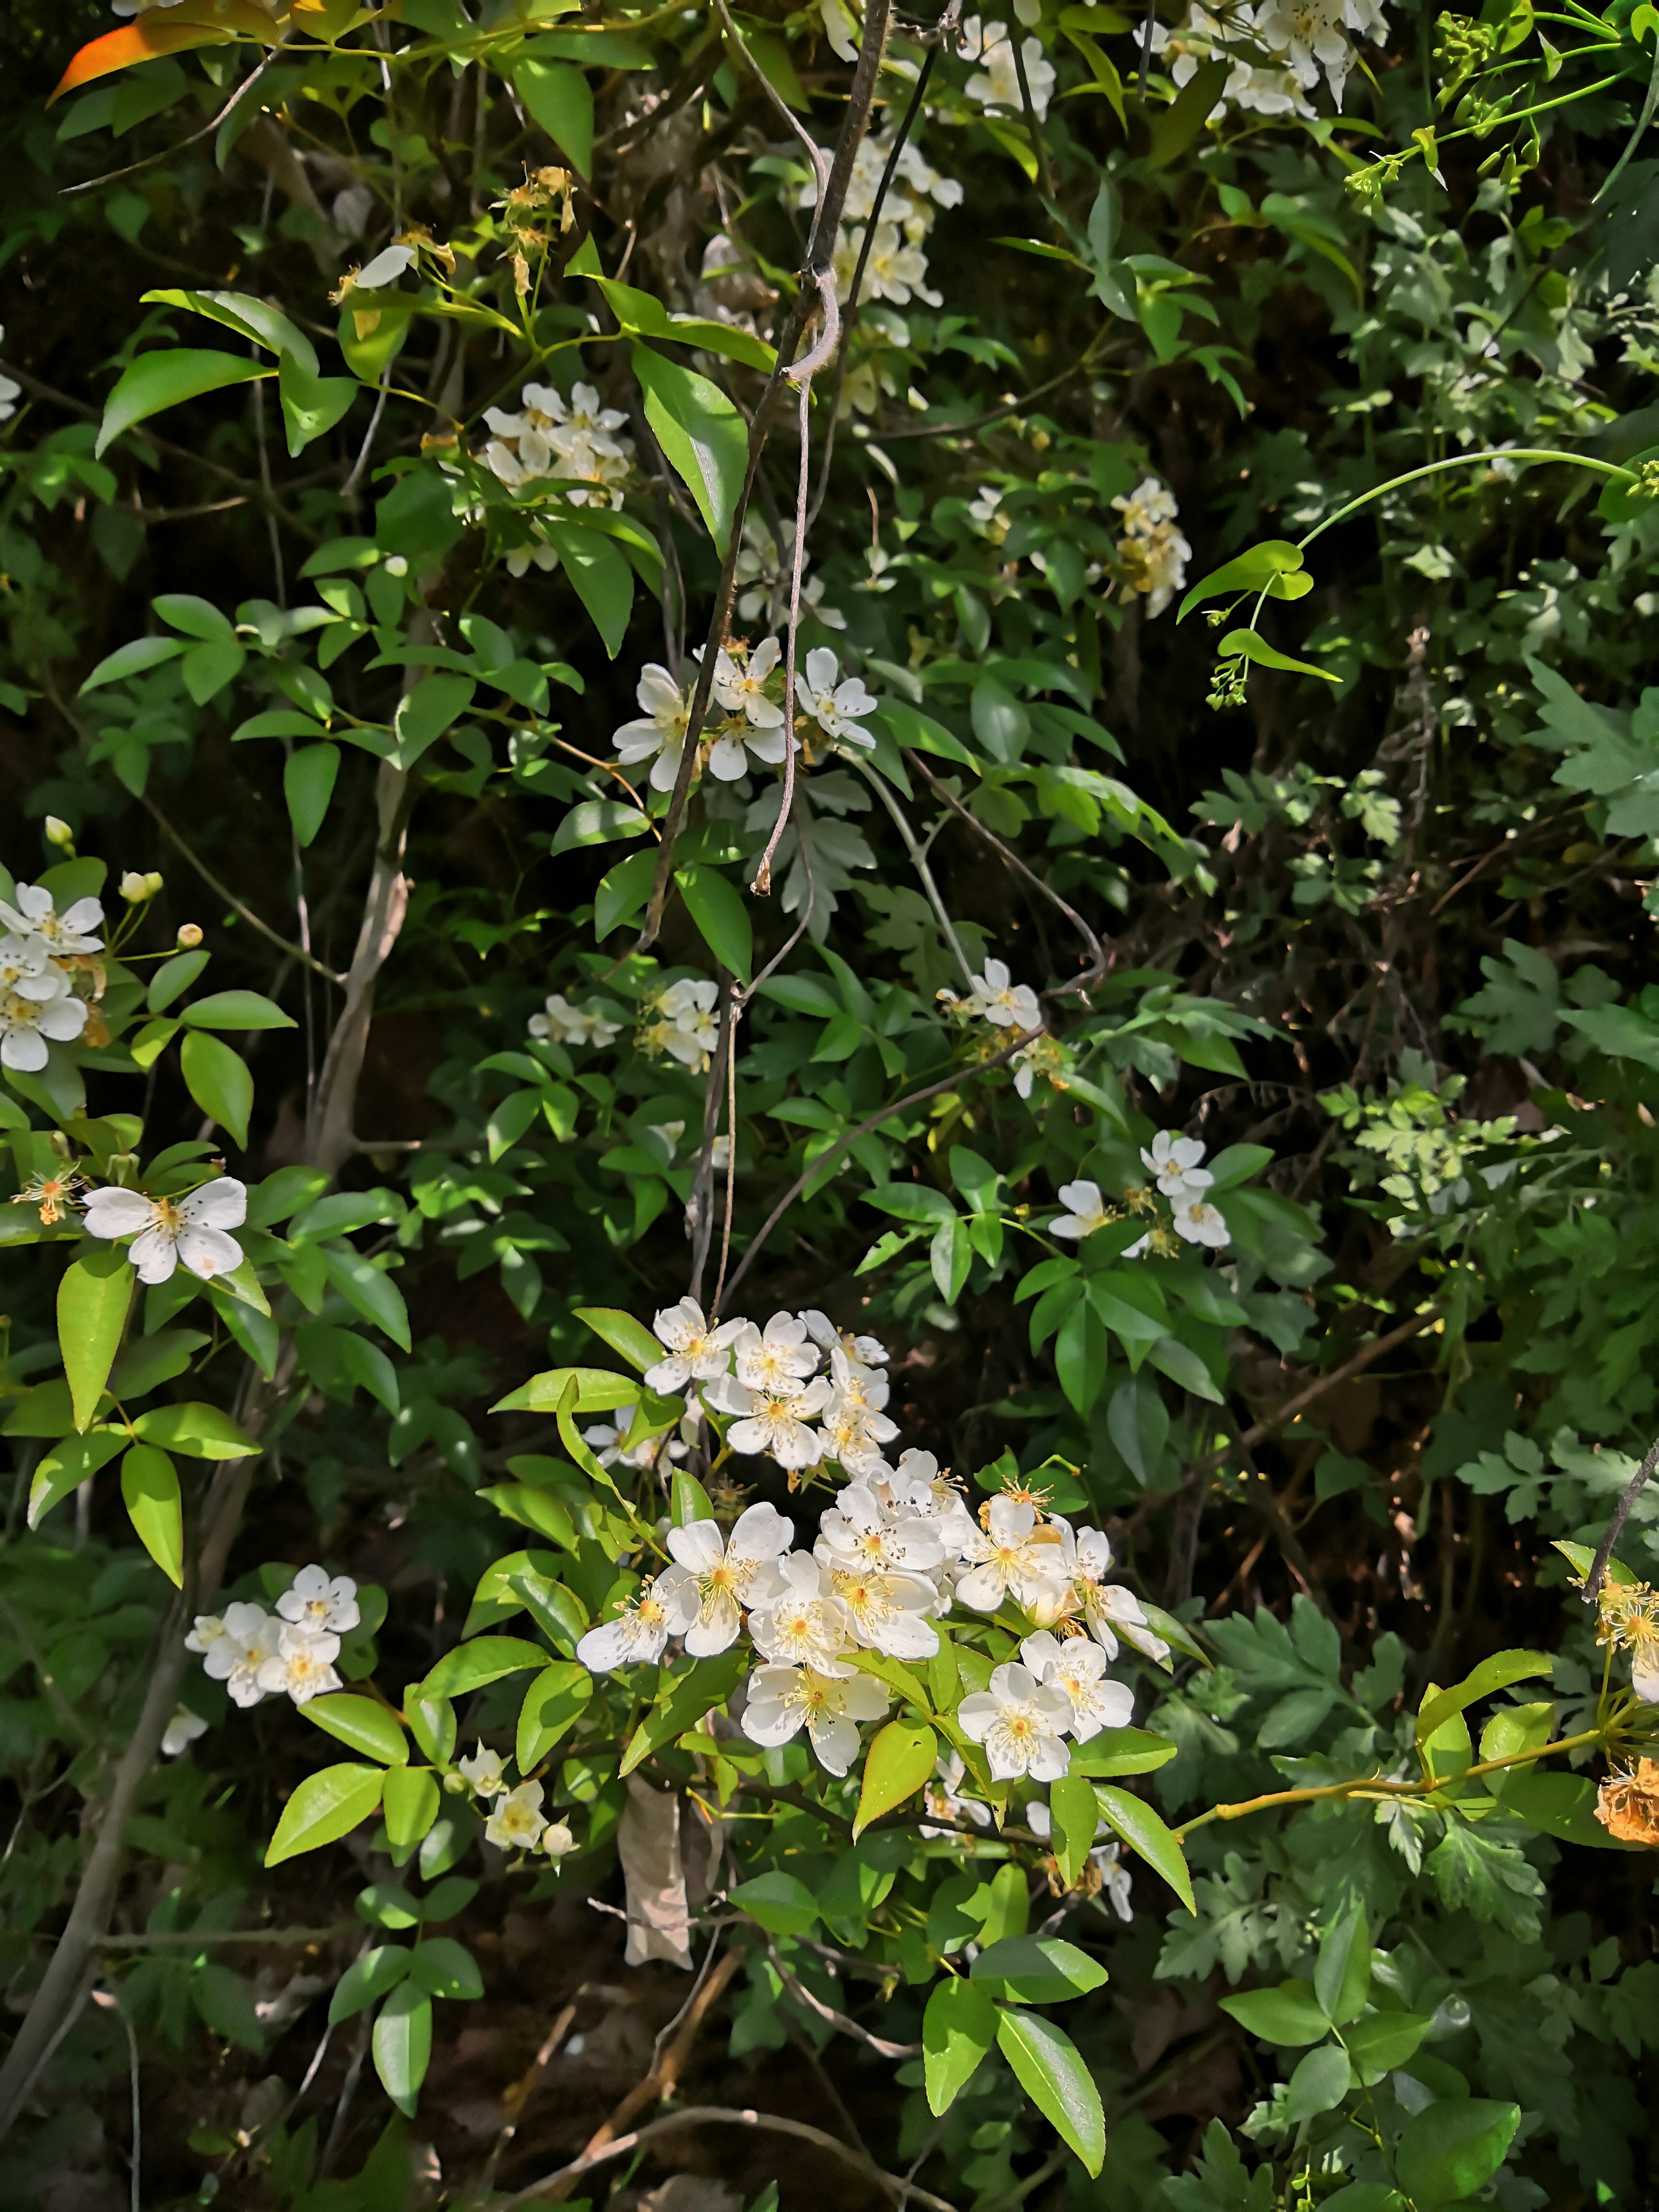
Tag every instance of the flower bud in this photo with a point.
(58, 832)
(152, 882)
(123, 1168)
(134, 888)
(396, 565)
(189, 936)
(455, 1783)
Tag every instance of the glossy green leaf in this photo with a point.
(715, 904)
(1047, 2065)
(1252, 646)
(603, 579)
(1384, 2040)
(368, 1979)
(1037, 1970)
(598, 1390)
(623, 1333)
(552, 1706)
(561, 98)
(150, 1491)
(68, 1465)
(709, 1683)
(93, 1295)
(369, 1290)
(361, 1722)
(249, 316)
(431, 1720)
(783, 1906)
(1122, 1751)
(702, 436)
(166, 379)
(897, 1764)
(1253, 571)
(1290, 2014)
(436, 704)
(173, 976)
(624, 891)
(445, 1968)
(220, 1081)
(236, 1009)
(308, 779)
(199, 1432)
(957, 2028)
(1453, 2149)
(485, 1659)
(311, 404)
(598, 822)
(1134, 1822)
(409, 1805)
(402, 2045)
(1500, 1672)
(1342, 1977)
(1075, 1816)
(1320, 2083)
(326, 1806)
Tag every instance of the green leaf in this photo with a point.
(782, 1905)
(1290, 2014)
(1037, 1970)
(552, 1706)
(173, 976)
(445, 1968)
(598, 822)
(326, 1806)
(369, 1290)
(715, 904)
(150, 1491)
(168, 379)
(1047, 2065)
(687, 1500)
(598, 1390)
(1250, 572)
(1453, 2149)
(236, 1009)
(1342, 1978)
(602, 579)
(67, 1466)
(1122, 1751)
(431, 1722)
(410, 1806)
(1254, 647)
(561, 98)
(959, 2027)
(1075, 1816)
(1320, 2083)
(485, 1659)
(309, 778)
(1182, 1364)
(1497, 1673)
(622, 891)
(367, 1980)
(250, 318)
(710, 1682)
(93, 1298)
(220, 1081)
(361, 1722)
(899, 1761)
(1134, 1822)
(425, 711)
(311, 404)
(623, 1333)
(403, 2046)
(198, 1432)
(701, 434)
(1384, 2040)
(134, 659)
(1175, 130)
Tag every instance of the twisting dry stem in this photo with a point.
(762, 881)
(1638, 1483)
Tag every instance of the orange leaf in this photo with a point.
(172, 32)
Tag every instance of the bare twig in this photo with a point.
(1034, 129)
(519, 2095)
(700, 1207)
(762, 878)
(733, 1017)
(223, 890)
(802, 1995)
(167, 153)
(1638, 1483)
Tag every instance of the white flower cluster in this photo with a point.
(897, 268)
(995, 83)
(680, 1022)
(169, 1232)
(764, 564)
(573, 443)
(257, 1655)
(995, 998)
(37, 1000)
(896, 1549)
(1151, 553)
(1302, 40)
(516, 1821)
(1174, 1162)
(562, 1024)
(747, 687)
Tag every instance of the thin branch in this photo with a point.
(886, 1114)
(192, 1938)
(918, 853)
(733, 1017)
(802, 1995)
(1040, 152)
(1097, 968)
(727, 2116)
(1638, 1483)
(223, 891)
(700, 1206)
(166, 153)
(761, 884)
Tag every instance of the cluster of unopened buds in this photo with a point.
(748, 687)
(258, 1655)
(1173, 1162)
(896, 1551)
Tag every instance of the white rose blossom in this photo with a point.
(168, 1232)
(1021, 1722)
(302, 1664)
(638, 1634)
(1174, 1162)
(1107, 1609)
(518, 1822)
(696, 1353)
(234, 1652)
(784, 1699)
(1077, 1666)
(1014, 1556)
(940, 1798)
(888, 1612)
(837, 705)
(1086, 1211)
(994, 997)
(28, 1022)
(563, 1024)
(181, 1730)
(778, 1359)
(315, 1601)
(996, 84)
(725, 1576)
(1197, 1223)
(805, 1624)
(483, 1772)
(775, 1421)
(659, 734)
(35, 914)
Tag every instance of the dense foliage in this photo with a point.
(824, 998)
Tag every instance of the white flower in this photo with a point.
(1086, 1211)
(688, 1029)
(840, 29)
(896, 268)
(1014, 1556)
(484, 1770)
(606, 1439)
(27, 1022)
(312, 1601)
(557, 1840)
(996, 83)
(853, 1432)
(765, 567)
(838, 707)
(729, 1575)
(775, 1421)
(25, 968)
(918, 1486)
(995, 998)
(585, 417)
(783, 1698)
(659, 735)
(169, 1230)
(1175, 1161)
(1020, 1721)
(857, 1533)
(10, 390)
(940, 1798)
(1078, 1666)
(61, 934)
(183, 1728)
(1198, 1224)
(740, 689)
(640, 1633)
(567, 1024)
(301, 1664)
(868, 1350)
(208, 1629)
(805, 1624)
(1152, 553)
(1106, 1607)
(1106, 1860)
(387, 266)
(775, 1361)
(237, 1654)
(888, 1612)
(517, 1821)
(696, 1353)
